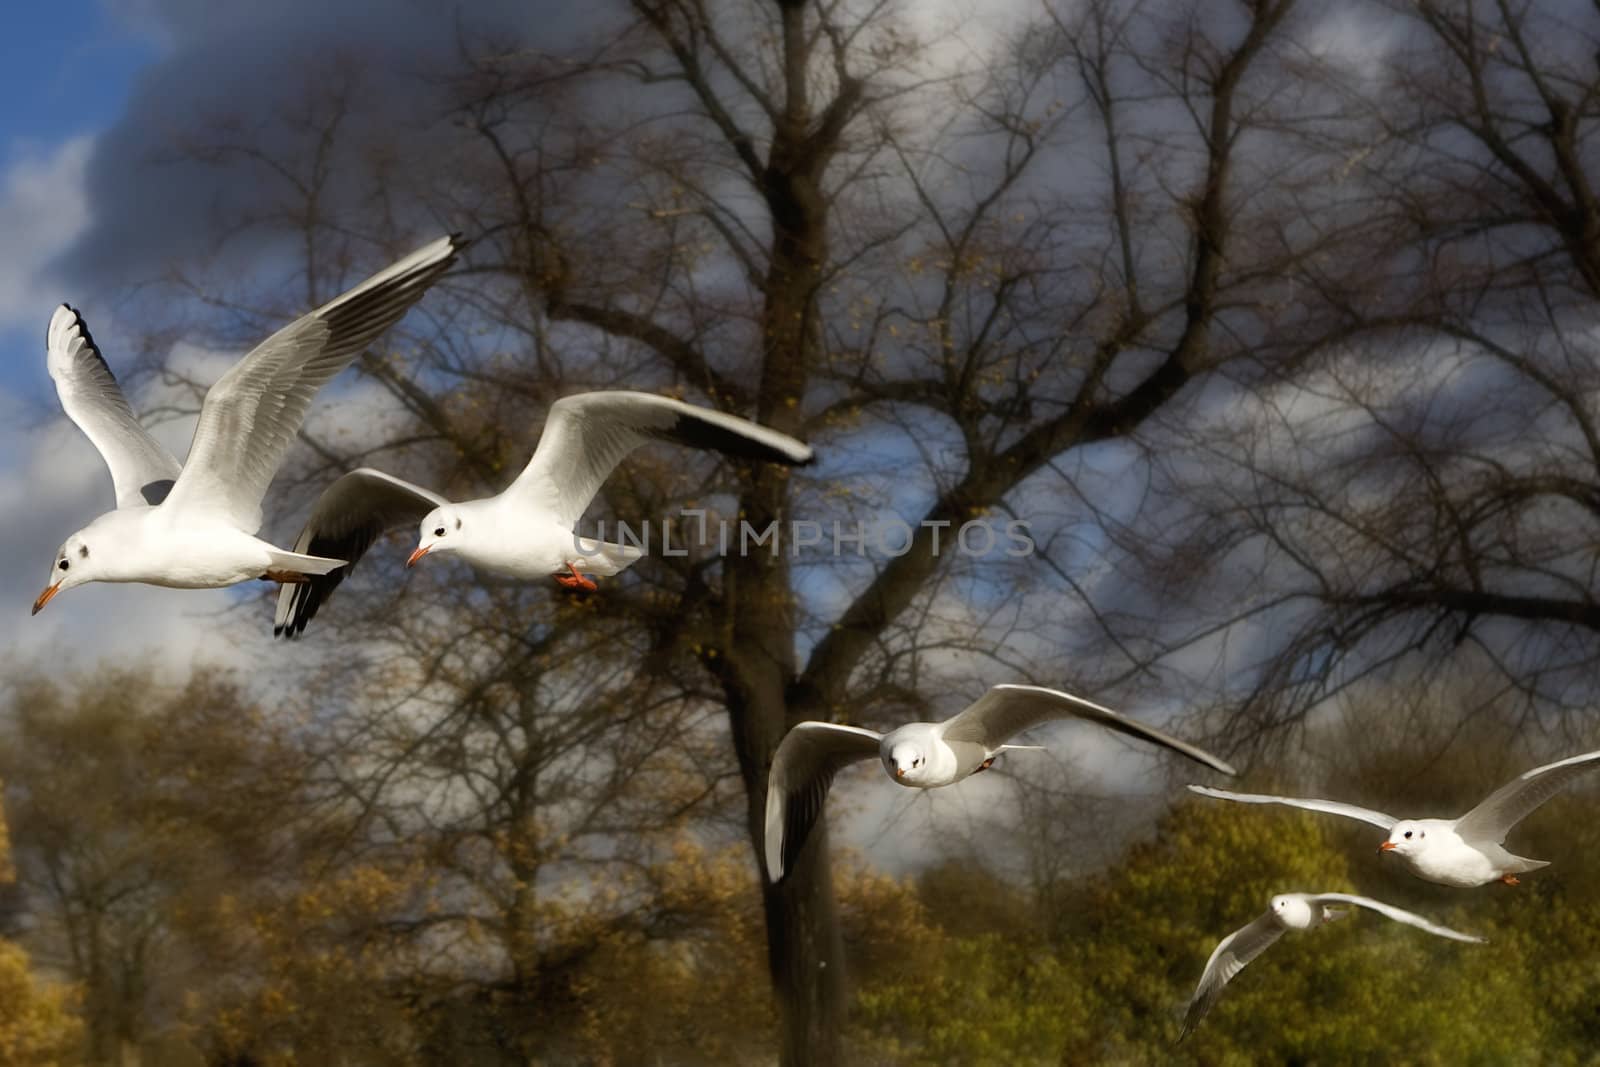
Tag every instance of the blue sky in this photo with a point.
(66, 69)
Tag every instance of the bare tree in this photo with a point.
(1426, 494)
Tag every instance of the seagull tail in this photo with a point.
(1522, 865)
(302, 564)
(1020, 748)
(604, 557)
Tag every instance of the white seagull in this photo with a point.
(192, 526)
(527, 530)
(922, 755)
(1462, 852)
(1289, 911)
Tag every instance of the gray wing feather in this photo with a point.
(142, 471)
(1230, 957)
(1397, 914)
(1329, 807)
(347, 518)
(797, 784)
(251, 416)
(587, 435)
(1517, 799)
(1007, 710)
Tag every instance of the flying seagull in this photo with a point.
(1289, 911)
(192, 526)
(1462, 852)
(527, 530)
(922, 755)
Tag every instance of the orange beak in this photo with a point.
(1388, 846)
(45, 597)
(418, 554)
(899, 772)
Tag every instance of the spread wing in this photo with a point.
(142, 471)
(251, 416)
(1517, 799)
(797, 785)
(1007, 710)
(1230, 957)
(1330, 807)
(1399, 915)
(586, 436)
(350, 514)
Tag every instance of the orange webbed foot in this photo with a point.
(1510, 879)
(575, 580)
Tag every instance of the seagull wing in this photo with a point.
(250, 417)
(142, 471)
(797, 785)
(1230, 957)
(1399, 915)
(1330, 807)
(1007, 710)
(1517, 799)
(350, 514)
(586, 436)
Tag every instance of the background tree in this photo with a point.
(38, 1027)
(1425, 496)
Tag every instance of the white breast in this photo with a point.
(1448, 860)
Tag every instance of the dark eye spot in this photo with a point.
(1422, 833)
(458, 524)
(83, 552)
(63, 564)
(439, 532)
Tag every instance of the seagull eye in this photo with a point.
(1408, 835)
(439, 532)
(63, 564)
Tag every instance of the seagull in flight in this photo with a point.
(526, 531)
(1463, 852)
(192, 526)
(923, 755)
(1289, 911)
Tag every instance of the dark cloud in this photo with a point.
(257, 80)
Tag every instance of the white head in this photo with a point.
(1407, 837)
(1291, 911)
(907, 763)
(440, 532)
(81, 558)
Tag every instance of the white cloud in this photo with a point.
(44, 207)
(1359, 42)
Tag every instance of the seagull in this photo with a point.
(526, 531)
(1289, 911)
(1462, 852)
(192, 526)
(922, 755)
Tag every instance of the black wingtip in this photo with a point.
(696, 432)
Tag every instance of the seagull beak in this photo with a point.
(418, 554)
(44, 598)
(1388, 846)
(899, 772)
